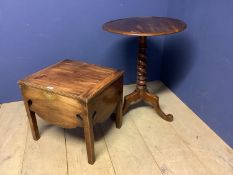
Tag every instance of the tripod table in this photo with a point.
(144, 27)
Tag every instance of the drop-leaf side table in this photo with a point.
(71, 94)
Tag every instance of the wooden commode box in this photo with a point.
(73, 94)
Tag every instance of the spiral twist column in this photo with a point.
(141, 65)
(141, 93)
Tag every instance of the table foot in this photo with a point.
(144, 95)
(129, 99)
(154, 101)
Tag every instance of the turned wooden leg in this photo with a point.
(141, 92)
(32, 120)
(141, 76)
(119, 114)
(89, 138)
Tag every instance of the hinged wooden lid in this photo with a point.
(73, 79)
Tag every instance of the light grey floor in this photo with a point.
(145, 145)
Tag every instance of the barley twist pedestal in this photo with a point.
(144, 27)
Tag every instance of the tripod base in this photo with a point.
(141, 93)
(147, 97)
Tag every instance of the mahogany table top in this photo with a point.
(145, 26)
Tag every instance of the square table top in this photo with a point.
(74, 79)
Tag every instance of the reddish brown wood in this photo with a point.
(141, 92)
(71, 94)
(59, 78)
(104, 104)
(119, 112)
(89, 136)
(62, 110)
(143, 27)
(141, 65)
(32, 120)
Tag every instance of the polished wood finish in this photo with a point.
(59, 78)
(62, 110)
(143, 27)
(141, 92)
(71, 94)
(103, 105)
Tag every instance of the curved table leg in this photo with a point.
(130, 98)
(154, 101)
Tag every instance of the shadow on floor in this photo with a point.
(100, 130)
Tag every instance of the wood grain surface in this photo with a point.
(56, 109)
(71, 94)
(73, 79)
(145, 26)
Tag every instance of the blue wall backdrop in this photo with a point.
(198, 63)
(34, 34)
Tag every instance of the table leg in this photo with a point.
(141, 92)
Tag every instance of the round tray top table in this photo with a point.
(144, 27)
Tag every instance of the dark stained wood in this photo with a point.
(145, 26)
(32, 120)
(141, 64)
(153, 100)
(119, 112)
(54, 108)
(73, 79)
(71, 94)
(104, 104)
(141, 91)
(89, 136)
